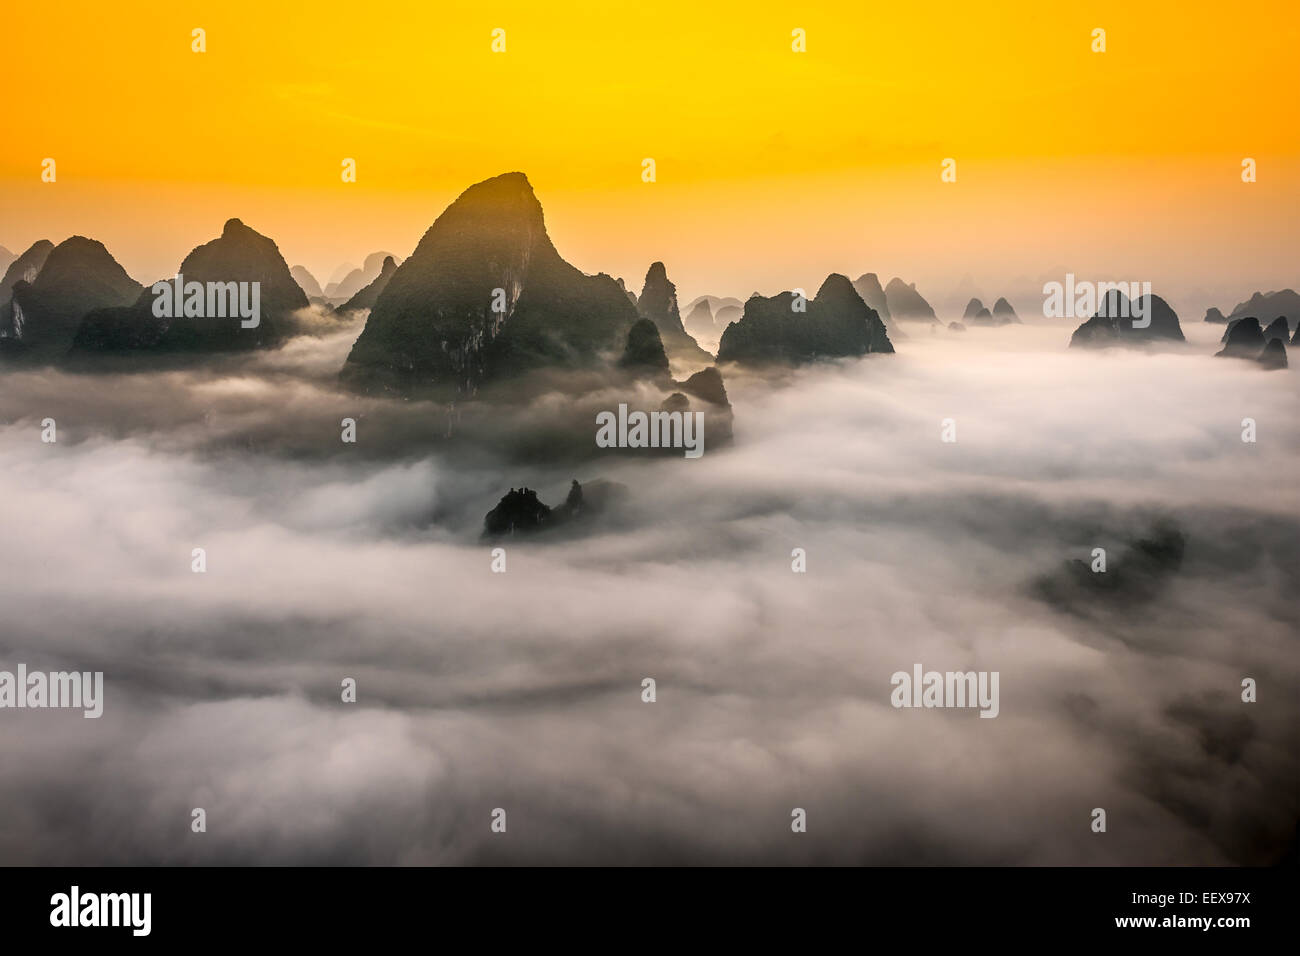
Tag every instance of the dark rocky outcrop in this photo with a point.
(367, 297)
(26, 267)
(433, 330)
(520, 511)
(956, 327)
(973, 308)
(41, 319)
(1214, 315)
(1274, 355)
(644, 352)
(1113, 323)
(1277, 329)
(707, 385)
(835, 323)
(1244, 339)
(658, 303)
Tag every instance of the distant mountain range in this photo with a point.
(1264, 306)
(1002, 314)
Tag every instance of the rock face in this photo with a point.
(644, 353)
(1295, 336)
(1214, 315)
(1274, 355)
(658, 303)
(1277, 330)
(1004, 314)
(630, 294)
(1244, 340)
(868, 286)
(307, 282)
(906, 303)
(239, 255)
(956, 327)
(836, 322)
(706, 385)
(367, 297)
(25, 267)
(433, 328)
(973, 308)
(1113, 323)
(522, 512)
(42, 317)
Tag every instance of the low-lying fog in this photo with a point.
(522, 690)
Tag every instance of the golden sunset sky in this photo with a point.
(773, 167)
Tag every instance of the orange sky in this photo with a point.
(774, 167)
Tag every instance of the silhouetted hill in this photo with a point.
(1112, 326)
(644, 352)
(836, 322)
(238, 255)
(1003, 314)
(658, 303)
(26, 266)
(433, 328)
(906, 303)
(41, 318)
(307, 282)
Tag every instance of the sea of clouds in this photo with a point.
(522, 690)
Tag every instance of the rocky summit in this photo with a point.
(789, 329)
(485, 295)
(658, 303)
(1113, 324)
(239, 255)
(42, 316)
